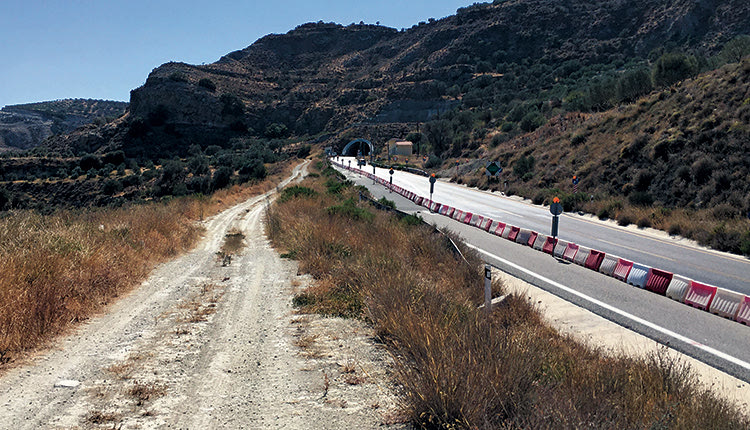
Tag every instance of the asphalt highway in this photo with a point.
(717, 341)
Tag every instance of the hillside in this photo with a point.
(321, 77)
(685, 147)
(27, 125)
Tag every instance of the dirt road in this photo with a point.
(200, 345)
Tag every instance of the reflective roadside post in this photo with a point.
(487, 289)
(555, 209)
(390, 184)
(432, 186)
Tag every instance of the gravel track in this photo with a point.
(200, 345)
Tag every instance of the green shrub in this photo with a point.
(296, 191)
(387, 203)
(335, 186)
(624, 220)
(644, 222)
(349, 209)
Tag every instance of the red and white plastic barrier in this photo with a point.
(594, 260)
(658, 281)
(700, 295)
(678, 288)
(570, 252)
(622, 270)
(743, 314)
(726, 303)
(582, 255)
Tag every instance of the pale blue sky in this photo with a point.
(102, 49)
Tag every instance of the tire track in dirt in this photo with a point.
(200, 345)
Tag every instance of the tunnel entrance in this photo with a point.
(357, 147)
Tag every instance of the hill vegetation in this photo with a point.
(25, 126)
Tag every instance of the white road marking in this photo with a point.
(622, 313)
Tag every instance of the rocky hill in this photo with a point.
(26, 126)
(325, 76)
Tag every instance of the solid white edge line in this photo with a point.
(611, 308)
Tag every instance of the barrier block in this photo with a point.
(506, 231)
(498, 231)
(549, 245)
(467, 217)
(541, 239)
(582, 255)
(436, 207)
(638, 275)
(487, 224)
(532, 238)
(743, 313)
(700, 295)
(678, 288)
(419, 200)
(457, 214)
(622, 270)
(594, 260)
(726, 303)
(570, 252)
(658, 281)
(513, 234)
(560, 248)
(477, 220)
(523, 237)
(609, 263)
(450, 211)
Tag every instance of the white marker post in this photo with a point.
(487, 289)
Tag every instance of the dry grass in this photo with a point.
(59, 269)
(458, 369)
(143, 392)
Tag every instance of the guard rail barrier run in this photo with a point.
(728, 304)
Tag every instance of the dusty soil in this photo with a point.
(206, 344)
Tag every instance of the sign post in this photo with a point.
(390, 186)
(487, 289)
(493, 169)
(555, 209)
(432, 185)
(576, 180)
